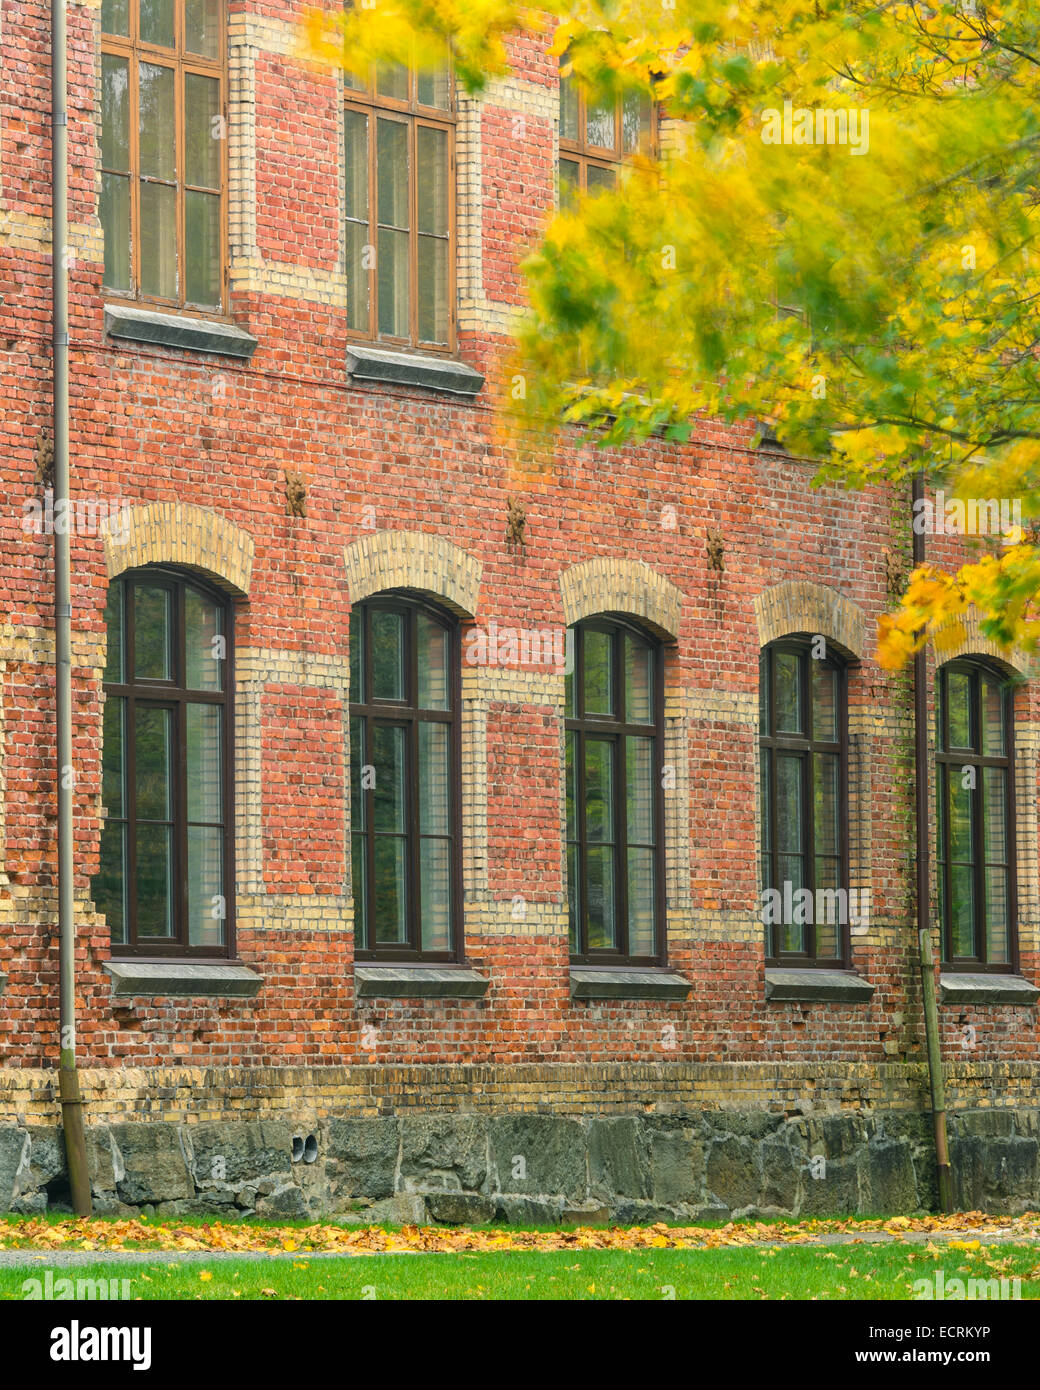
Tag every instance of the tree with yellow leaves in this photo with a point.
(838, 238)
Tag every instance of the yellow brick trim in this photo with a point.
(621, 586)
(973, 643)
(797, 606)
(174, 533)
(414, 560)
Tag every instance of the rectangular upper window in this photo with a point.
(163, 151)
(596, 138)
(399, 139)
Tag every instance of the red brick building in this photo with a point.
(424, 805)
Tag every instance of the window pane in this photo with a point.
(825, 803)
(115, 113)
(599, 179)
(434, 779)
(825, 702)
(763, 694)
(112, 771)
(599, 672)
(359, 882)
(962, 910)
(205, 654)
(357, 687)
(599, 790)
(431, 168)
(159, 240)
(357, 755)
(599, 125)
(392, 292)
(433, 88)
(154, 880)
(205, 735)
(789, 805)
(568, 109)
(392, 81)
(571, 773)
(389, 787)
(602, 924)
(115, 17)
(109, 888)
(433, 289)
(356, 151)
(962, 820)
(152, 754)
(156, 22)
(641, 940)
(570, 182)
(793, 934)
(156, 122)
(359, 256)
(992, 718)
(387, 635)
(435, 894)
(958, 698)
(202, 27)
(995, 804)
(639, 694)
(114, 632)
(202, 143)
(639, 789)
(997, 951)
(115, 225)
(790, 718)
(202, 249)
(828, 909)
(207, 901)
(635, 121)
(573, 899)
(151, 632)
(434, 666)
(392, 173)
(389, 891)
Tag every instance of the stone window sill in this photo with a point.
(220, 979)
(817, 986)
(419, 982)
(592, 982)
(955, 988)
(176, 331)
(378, 365)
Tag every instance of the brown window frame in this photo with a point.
(174, 693)
(615, 728)
(947, 757)
(409, 714)
(587, 155)
(806, 746)
(411, 112)
(136, 51)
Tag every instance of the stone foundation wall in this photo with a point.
(536, 1144)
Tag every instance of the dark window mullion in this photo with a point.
(619, 793)
(809, 804)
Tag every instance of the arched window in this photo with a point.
(976, 859)
(803, 801)
(405, 780)
(615, 863)
(165, 877)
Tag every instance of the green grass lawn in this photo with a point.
(792, 1272)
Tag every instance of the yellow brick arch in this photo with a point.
(610, 585)
(176, 533)
(414, 560)
(800, 606)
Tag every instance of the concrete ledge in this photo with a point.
(412, 369)
(592, 982)
(216, 978)
(817, 986)
(175, 331)
(986, 989)
(419, 981)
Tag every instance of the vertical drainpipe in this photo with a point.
(924, 934)
(68, 1077)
